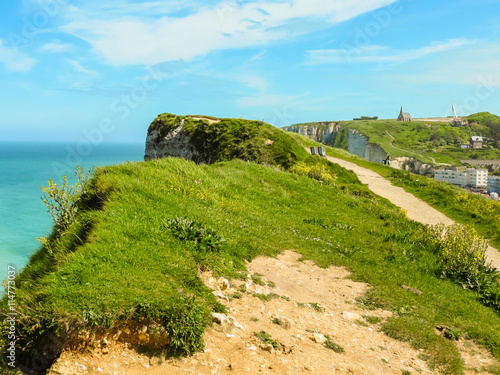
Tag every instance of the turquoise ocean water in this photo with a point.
(24, 167)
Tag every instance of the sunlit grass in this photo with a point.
(129, 256)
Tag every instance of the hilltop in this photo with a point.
(128, 270)
(432, 142)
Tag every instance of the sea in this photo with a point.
(24, 168)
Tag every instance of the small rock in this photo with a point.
(351, 316)
(318, 337)
(220, 295)
(283, 322)
(267, 348)
(226, 323)
(309, 368)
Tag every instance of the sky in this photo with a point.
(103, 70)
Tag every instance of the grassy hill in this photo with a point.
(430, 142)
(225, 139)
(469, 209)
(144, 230)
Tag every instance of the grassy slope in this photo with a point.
(458, 204)
(427, 142)
(233, 138)
(128, 257)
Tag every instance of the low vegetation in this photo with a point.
(458, 204)
(230, 138)
(430, 142)
(144, 230)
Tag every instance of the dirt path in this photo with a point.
(416, 209)
(306, 305)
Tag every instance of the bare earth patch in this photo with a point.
(307, 305)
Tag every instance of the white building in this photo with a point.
(477, 177)
(452, 176)
(470, 177)
(494, 183)
(476, 141)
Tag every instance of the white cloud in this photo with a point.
(55, 47)
(147, 39)
(380, 54)
(14, 60)
(78, 68)
(459, 66)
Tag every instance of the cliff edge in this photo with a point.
(206, 140)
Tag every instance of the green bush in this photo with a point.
(61, 199)
(184, 321)
(461, 251)
(204, 237)
(462, 258)
(318, 172)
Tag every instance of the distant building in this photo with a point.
(454, 177)
(476, 141)
(494, 183)
(457, 121)
(404, 116)
(477, 178)
(365, 118)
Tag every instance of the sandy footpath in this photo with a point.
(311, 305)
(416, 209)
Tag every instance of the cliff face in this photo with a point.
(319, 131)
(332, 134)
(358, 144)
(175, 143)
(413, 165)
(207, 140)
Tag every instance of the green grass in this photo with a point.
(233, 138)
(456, 203)
(430, 142)
(266, 338)
(121, 260)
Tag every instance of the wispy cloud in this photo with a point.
(153, 37)
(14, 60)
(380, 54)
(55, 47)
(78, 68)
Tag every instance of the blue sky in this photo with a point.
(103, 70)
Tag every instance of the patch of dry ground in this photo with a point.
(310, 303)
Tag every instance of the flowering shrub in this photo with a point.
(318, 172)
(462, 251)
(61, 199)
